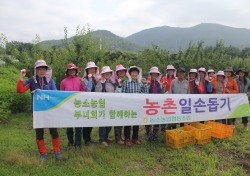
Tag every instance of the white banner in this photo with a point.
(91, 109)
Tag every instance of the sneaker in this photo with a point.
(104, 143)
(127, 142)
(43, 157)
(108, 140)
(120, 142)
(136, 141)
(58, 155)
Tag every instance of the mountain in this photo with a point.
(106, 38)
(169, 38)
(175, 38)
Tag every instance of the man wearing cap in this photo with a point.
(244, 87)
(134, 84)
(179, 86)
(41, 80)
(72, 82)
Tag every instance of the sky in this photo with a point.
(22, 20)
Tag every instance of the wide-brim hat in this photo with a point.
(134, 68)
(120, 67)
(229, 69)
(72, 66)
(210, 71)
(170, 67)
(202, 69)
(154, 70)
(90, 65)
(41, 63)
(220, 73)
(242, 70)
(193, 70)
(106, 69)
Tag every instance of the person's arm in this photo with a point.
(209, 87)
(118, 89)
(98, 87)
(124, 86)
(82, 88)
(22, 87)
(248, 86)
(171, 89)
(144, 88)
(235, 87)
(88, 84)
(53, 85)
(188, 88)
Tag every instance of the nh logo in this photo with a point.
(42, 97)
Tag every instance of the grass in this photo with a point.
(19, 155)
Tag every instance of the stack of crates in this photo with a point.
(202, 132)
(180, 137)
(219, 130)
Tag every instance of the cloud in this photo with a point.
(22, 20)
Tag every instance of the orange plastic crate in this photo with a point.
(202, 133)
(180, 139)
(220, 130)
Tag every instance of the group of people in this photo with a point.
(123, 80)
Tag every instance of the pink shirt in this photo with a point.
(72, 83)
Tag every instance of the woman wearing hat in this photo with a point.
(218, 83)
(154, 88)
(72, 82)
(166, 82)
(204, 86)
(91, 75)
(192, 78)
(105, 85)
(211, 74)
(231, 87)
(41, 80)
(244, 87)
(120, 75)
(170, 76)
(134, 84)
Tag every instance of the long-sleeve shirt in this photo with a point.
(134, 87)
(205, 88)
(32, 85)
(72, 83)
(89, 84)
(218, 87)
(166, 82)
(232, 85)
(178, 87)
(107, 86)
(243, 87)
